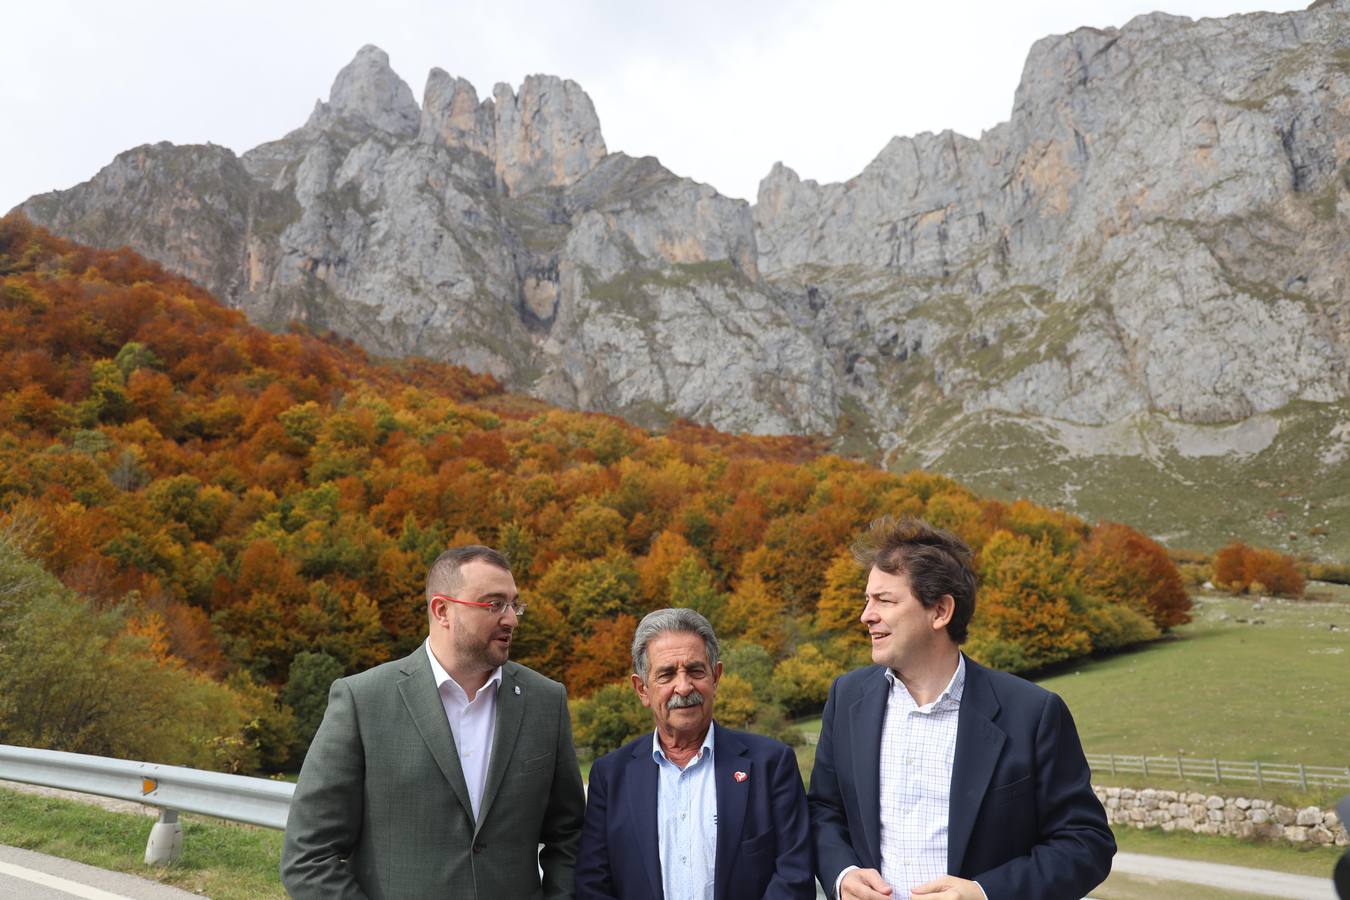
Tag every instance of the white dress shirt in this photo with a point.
(472, 722)
(686, 819)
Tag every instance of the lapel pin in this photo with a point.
(517, 690)
(740, 776)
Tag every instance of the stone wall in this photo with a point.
(1211, 814)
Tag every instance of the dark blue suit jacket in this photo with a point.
(763, 842)
(1023, 820)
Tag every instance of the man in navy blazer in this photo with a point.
(936, 777)
(694, 811)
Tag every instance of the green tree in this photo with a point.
(609, 718)
(306, 693)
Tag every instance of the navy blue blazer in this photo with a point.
(763, 842)
(1023, 820)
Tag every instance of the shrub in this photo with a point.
(1240, 569)
(609, 718)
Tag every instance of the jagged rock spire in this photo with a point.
(367, 90)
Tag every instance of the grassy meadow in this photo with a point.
(1246, 680)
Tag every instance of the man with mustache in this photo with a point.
(442, 774)
(935, 777)
(696, 811)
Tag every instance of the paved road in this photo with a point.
(1232, 878)
(34, 876)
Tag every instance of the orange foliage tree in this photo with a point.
(1241, 568)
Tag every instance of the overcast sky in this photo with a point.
(717, 89)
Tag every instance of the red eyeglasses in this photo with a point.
(497, 607)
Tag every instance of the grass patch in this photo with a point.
(1287, 496)
(223, 860)
(1223, 688)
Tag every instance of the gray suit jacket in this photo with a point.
(382, 810)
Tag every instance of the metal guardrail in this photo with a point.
(1220, 771)
(173, 789)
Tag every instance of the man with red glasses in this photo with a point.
(440, 775)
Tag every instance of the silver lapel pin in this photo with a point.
(517, 690)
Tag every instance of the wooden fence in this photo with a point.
(1220, 771)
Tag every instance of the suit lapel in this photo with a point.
(866, 716)
(643, 791)
(423, 701)
(730, 757)
(978, 745)
(510, 713)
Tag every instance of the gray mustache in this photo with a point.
(693, 698)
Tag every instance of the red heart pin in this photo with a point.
(740, 776)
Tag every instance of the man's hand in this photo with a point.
(864, 884)
(948, 887)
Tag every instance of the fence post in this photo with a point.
(1145, 759)
(1218, 778)
(1303, 776)
(1181, 775)
(1113, 765)
(1259, 783)
(166, 839)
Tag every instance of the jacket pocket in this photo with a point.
(1018, 791)
(535, 762)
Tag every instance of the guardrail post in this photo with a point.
(166, 839)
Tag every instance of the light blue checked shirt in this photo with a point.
(686, 818)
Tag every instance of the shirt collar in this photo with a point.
(950, 694)
(438, 672)
(659, 755)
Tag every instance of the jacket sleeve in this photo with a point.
(562, 819)
(794, 873)
(324, 823)
(595, 880)
(829, 821)
(1074, 846)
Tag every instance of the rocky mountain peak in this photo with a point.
(367, 90)
(548, 134)
(452, 115)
